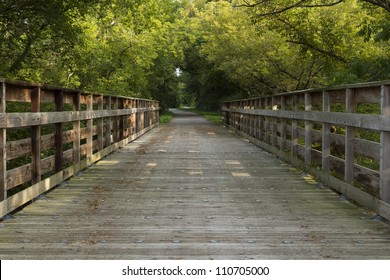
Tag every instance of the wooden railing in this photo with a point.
(48, 134)
(339, 135)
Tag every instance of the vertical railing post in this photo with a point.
(253, 120)
(241, 119)
(246, 118)
(384, 189)
(261, 120)
(266, 122)
(325, 134)
(143, 115)
(137, 116)
(127, 118)
(115, 121)
(283, 123)
(76, 133)
(59, 156)
(274, 121)
(294, 128)
(3, 147)
(225, 115)
(36, 172)
(257, 120)
(133, 117)
(108, 121)
(308, 130)
(249, 119)
(148, 113)
(349, 139)
(89, 126)
(157, 112)
(121, 120)
(100, 103)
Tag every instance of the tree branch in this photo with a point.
(317, 49)
(285, 9)
(15, 66)
(299, 4)
(385, 4)
(322, 5)
(248, 5)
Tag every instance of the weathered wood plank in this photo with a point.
(325, 134)
(37, 94)
(115, 120)
(352, 192)
(12, 120)
(362, 147)
(15, 201)
(36, 171)
(373, 122)
(59, 128)
(3, 146)
(385, 148)
(308, 130)
(349, 139)
(100, 125)
(22, 174)
(108, 122)
(76, 133)
(89, 124)
(22, 147)
(156, 207)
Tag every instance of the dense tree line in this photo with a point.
(224, 49)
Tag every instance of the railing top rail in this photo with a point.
(66, 90)
(317, 90)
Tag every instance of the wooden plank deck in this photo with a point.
(192, 190)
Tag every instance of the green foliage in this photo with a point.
(211, 116)
(225, 49)
(264, 47)
(215, 117)
(166, 117)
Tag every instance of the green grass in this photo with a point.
(212, 116)
(166, 117)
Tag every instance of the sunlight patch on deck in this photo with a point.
(241, 174)
(109, 162)
(232, 162)
(195, 172)
(309, 179)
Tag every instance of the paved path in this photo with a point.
(192, 190)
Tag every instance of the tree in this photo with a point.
(32, 29)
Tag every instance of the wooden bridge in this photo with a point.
(191, 189)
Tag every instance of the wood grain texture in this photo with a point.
(3, 146)
(36, 139)
(385, 148)
(192, 190)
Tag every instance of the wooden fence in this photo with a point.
(340, 135)
(48, 134)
